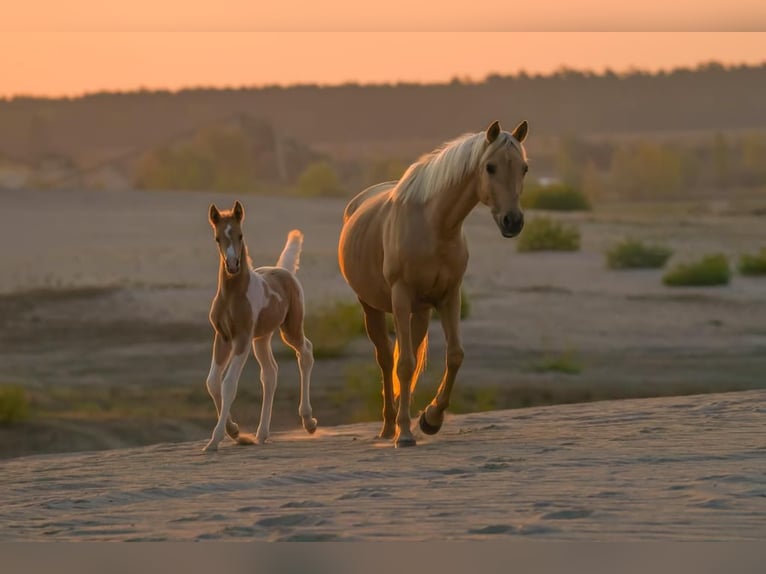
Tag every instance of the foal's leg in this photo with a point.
(433, 416)
(269, 369)
(377, 331)
(292, 334)
(229, 391)
(405, 366)
(221, 356)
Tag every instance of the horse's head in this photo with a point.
(227, 227)
(502, 172)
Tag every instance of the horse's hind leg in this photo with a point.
(269, 370)
(293, 336)
(377, 331)
(221, 357)
(406, 362)
(433, 416)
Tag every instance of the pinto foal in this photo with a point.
(250, 305)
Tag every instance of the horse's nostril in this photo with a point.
(507, 221)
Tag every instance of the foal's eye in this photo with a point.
(491, 168)
(217, 240)
(240, 237)
(526, 169)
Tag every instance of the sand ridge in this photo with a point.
(682, 468)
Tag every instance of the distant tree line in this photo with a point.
(94, 127)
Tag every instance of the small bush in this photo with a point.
(558, 197)
(332, 327)
(566, 363)
(753, 264)
(546, 234)
(633, 254)
(319, 180)
(710, 270)
(14, 406)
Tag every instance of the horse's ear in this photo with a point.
(520, 132)
(238, 211)
(214, 215)
(493, 131)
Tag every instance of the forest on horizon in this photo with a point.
(699, 127)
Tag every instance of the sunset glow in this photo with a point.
(72, 63)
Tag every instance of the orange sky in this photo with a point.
(71, 63)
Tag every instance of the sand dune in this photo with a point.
(685, 468)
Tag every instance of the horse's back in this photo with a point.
(363, 196)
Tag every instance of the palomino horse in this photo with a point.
(251, 304)
(402, 250)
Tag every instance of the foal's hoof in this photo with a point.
(232, 429)
(310, 425)
(404, 441)
(426, 427)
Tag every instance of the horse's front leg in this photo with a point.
(228, 392)
(433, 416)
(405, 365)
(221, 357)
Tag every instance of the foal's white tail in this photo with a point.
(291, 254)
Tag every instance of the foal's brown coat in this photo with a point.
(250, 305)
(403, 251)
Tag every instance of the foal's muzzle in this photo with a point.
(510, 223)
(232, 267)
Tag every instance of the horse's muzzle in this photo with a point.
(511, 223)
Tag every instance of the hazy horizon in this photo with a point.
(67, 64)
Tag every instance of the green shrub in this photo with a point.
(319, 180)
(333, 326)
(558, 197)
(546, 234)
(14, 406)
(633, 254)
(710, 270)
(753, 264)
(566, 363)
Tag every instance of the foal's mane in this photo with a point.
(449, 164)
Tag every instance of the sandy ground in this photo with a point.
(683, 468)
(113, 288)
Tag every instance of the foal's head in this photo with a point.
(227, 226)
(502, 172)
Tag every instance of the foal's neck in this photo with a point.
(234, 284)
(450, 207)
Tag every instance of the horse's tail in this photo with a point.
(291, 254)
(420, 366)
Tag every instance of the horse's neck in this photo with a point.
(451, 206)
(233, 285)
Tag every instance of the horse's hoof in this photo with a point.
(426, 427)
(232, 429)
(210, 447)
(404, 441)
(386, 433)
(310, 425)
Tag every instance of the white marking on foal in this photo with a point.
(230, 253)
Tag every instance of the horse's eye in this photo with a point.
(217, 240)
(240, 237)
(526, 169)
(490, 168)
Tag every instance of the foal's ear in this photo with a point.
(214, 215)
(493, 131)
(238, 211)
(520, 132)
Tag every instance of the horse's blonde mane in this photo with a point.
(449, 164)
